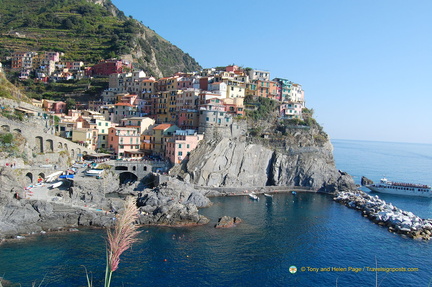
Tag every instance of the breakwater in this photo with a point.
(386, 214)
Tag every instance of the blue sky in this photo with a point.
(365, 65)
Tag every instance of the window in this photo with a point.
(103, 131)
(187, 146)
(180, 146)
(180, 153)
(121, 146)
(99, 123)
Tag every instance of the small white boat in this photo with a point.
(253, 196)
(57, 184)
(94, 172)
(268, 195)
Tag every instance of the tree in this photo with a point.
(70, 105)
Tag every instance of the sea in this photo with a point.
(302, 239)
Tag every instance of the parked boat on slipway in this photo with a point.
(386, 186)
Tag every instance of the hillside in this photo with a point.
(9, 91)
(89, 31)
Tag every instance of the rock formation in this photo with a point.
(366, 181)
(172, 203)
(227, 222)
(298, 157)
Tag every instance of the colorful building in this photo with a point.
(123, 142)
(181, 144)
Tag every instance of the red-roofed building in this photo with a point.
(107, 67)
(159, 136)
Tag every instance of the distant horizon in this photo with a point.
(377, 141)
(364, 66)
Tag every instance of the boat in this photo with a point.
(268, 195)
(253, 196)
(386, 186)
(94, 172)
(57, 184)
(294, 192)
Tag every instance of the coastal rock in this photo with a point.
(227, 222)
(366, 181)
(172, 203)
(386, 214)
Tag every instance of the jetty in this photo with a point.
(386, 214)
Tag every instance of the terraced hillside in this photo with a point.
(86, 31)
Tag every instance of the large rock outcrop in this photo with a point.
(292, 156)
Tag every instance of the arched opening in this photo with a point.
(127, 178)
(134, 168)
(49, 145)
(65, 146)
(29, 178)
(60, 145)
(145, 168)
(72, 153)
(18, 131)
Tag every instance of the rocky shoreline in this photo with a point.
(385, 214)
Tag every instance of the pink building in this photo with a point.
(291, 110)
(124, 141)
(183, 142)
(52, 56)
(59, 107)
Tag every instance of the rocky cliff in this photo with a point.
(279, 155)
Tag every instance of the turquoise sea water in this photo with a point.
(304, 230)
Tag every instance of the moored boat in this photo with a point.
(57, 184)
(94, 172)
(253, 196)
(268, 195)
(386, 186)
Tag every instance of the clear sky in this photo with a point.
(365, 65)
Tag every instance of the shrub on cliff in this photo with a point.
(265, 108)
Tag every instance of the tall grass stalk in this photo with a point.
(121, 237)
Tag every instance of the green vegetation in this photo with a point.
(59, 91)
(82, 30)
(265, 108)
(86, 32)
(10, 144)
(11, 114)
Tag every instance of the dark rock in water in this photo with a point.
(227, 222)
(366, 181)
